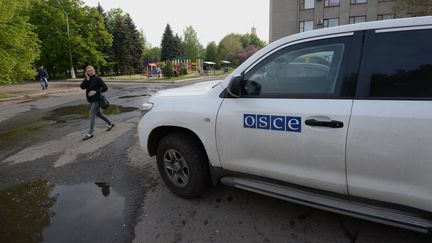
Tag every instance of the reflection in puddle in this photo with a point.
(84, 214)
(25, 210)
(38, 211)
(105, 188)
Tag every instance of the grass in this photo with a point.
(6, 95)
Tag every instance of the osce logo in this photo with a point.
(271, 122)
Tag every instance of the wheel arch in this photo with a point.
(158, 133)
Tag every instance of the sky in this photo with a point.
(212, 20)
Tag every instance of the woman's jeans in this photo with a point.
(44, 83)
(96, 111)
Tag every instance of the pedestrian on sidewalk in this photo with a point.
(94, 86)
(43, 77)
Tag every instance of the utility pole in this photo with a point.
(72, 70)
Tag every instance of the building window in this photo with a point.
(331, 22)
(305, 26)
(357, 19)
(385, 16)
(307, 4)
(331, 3)
(358, 1)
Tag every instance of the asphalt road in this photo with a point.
(56, 188)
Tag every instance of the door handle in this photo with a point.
(316, 123)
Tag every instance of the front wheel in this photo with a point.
(183, 165)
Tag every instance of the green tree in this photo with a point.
(87, 40)
(412, 7)
(89, 46)
(127, 46)
(211, 52)
(170, 45)
(151, 55)
(167, 71)
(18, 42)
(252, 40)
(230, 44)
(133, 46)
(107, 50)
(51, 30)
(178, 46)
(191, 45)
(104, 15)
(143, 40)
(116, 27)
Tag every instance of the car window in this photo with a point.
(294, 72)
(397, 65)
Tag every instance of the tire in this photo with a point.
(183, 165)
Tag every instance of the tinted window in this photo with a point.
(305, 70)
(398, 64)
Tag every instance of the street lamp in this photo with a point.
(72, 70)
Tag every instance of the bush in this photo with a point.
(168, 70)
(183, 71)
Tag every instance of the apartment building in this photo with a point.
(292, 16)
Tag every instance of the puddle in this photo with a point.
(20, 128)
(38, 211)
(25, 210)
(133, 96)
(70, 113)
(16, 130)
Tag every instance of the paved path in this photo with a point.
(33, 88)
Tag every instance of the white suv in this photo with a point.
(338, 118)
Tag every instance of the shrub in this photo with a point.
(183, 71)
(168, 70)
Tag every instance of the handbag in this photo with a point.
(104, 103)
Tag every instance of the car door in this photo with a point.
(290, 122)
(389, 155)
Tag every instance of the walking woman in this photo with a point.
(94, 87)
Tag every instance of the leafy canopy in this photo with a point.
(19, 46)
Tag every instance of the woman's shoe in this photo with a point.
(110, 127)
(87, 137)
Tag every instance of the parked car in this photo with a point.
(350, 133)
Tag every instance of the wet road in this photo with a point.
(56, 188)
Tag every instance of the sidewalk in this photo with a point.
(34, 89)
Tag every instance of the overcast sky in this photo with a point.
(212, 20)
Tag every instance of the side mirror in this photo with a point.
(234, 86)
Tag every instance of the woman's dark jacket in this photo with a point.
(95, 83)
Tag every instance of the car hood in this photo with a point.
(190, 90)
